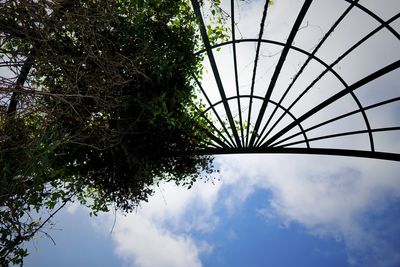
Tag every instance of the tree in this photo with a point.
(97, 105)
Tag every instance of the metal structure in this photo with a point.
(246, 121)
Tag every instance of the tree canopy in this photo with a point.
(97, 105)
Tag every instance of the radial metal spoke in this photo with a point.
(233, 26)
(211, 135)
(274, 103)
(279, 66)
(260, 35)
(203, 31)
(231, 143)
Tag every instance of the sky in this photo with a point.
(268, 210)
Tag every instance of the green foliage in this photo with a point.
(107, 111)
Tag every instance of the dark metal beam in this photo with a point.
(255, 68)
(279, 66)
(211, 135)
(308, 151)
(231, 143)
(233, 25)
(203, 31)
(22, 77)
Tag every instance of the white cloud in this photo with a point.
(330, 196)
(143, 243)
(160, 232)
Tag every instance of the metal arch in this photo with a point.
(307, 151)
(327, 67)
(310, 56)
(260, 143)
(271, 101)
(279, 66)
(331, 66)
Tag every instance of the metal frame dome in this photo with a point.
(241, 126)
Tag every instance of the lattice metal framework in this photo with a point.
(268, 114)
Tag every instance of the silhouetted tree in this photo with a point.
(97, 105)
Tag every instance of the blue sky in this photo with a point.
(323, 211)
(269, 210)
(244, 238)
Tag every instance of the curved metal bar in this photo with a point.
(313, 56)
(335, 97)
(374, 16)
(282, 44)
(387, 129)
(309, 151)
(262, 98)
(257, 142)
(338, 118)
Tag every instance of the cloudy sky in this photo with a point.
(266, 210)
(269, 210)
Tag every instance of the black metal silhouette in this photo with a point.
(245, 136)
